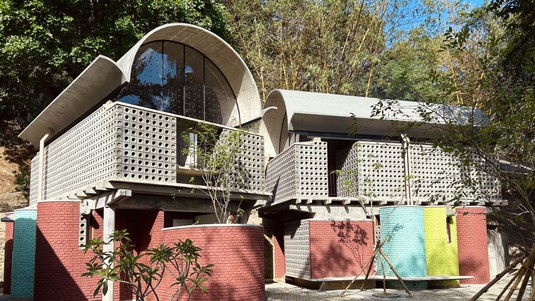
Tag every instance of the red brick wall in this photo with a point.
(59, 262)
(339, 248)
(144, 228)
(8, 256)
(278, 249)
(236, 251)
(472, 244)
(238, 254)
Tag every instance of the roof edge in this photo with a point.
(79, 96)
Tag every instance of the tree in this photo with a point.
(321, 46)
(142, 276)
(405, 68)
(47, 43)
(492, 68)
(217, 154)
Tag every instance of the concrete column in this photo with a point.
(109, 227)
(42, 167)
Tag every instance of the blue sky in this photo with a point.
(436, 24)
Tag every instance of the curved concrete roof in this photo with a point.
(97, 81)
(338, 114)
(104, 75)
(218, 51)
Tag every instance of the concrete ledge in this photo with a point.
(338, 283)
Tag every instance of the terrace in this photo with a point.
(124, 146)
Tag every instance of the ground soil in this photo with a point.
(7, 172)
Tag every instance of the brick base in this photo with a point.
(59, 261)
(238, 254)
(236, 250)
(339, 248)
(472, 244)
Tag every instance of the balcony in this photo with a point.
(377, 172)
(125, 143)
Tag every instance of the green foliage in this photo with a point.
(217, 152)
(45, 44)
(321, 46)
(142, 273)
(487, 62)
(405, 68)
(22, 179)
(181, 260)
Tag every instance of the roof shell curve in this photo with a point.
(103, 76)
(98, 80)
(337, 114)
(218, 51)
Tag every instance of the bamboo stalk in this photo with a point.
(395, 273)
(506, 287)
(520, 274)
(368, 272)
(532, 295)
(525, 271)
(497, 278)
(525, 281)
(384, 276)
(370, 262)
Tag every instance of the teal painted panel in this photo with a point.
(403, 227)
(22, 278)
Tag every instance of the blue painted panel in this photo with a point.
(22, 278)
(403, 227)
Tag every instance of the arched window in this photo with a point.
(176, 78)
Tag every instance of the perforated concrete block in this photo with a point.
(251, 160)
(299, 172)
(281, 176)
(83, 155)
(440, 176)
(146, 144)
(373, 170)
(297, 249)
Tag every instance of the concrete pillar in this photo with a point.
(109, 227)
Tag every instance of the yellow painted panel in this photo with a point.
(441, 245)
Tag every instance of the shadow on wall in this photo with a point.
(52, 280)
(139, 223)
(353, 237)
(59, 262)
(8, 257)
(339, 248)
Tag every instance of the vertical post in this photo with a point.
(40, 183)
(407, 165)
(109, 227)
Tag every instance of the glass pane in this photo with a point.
(194, 78)
(145, 85)
(173, 78)
(220, 100)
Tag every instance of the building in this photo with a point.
(335, 167)
(110, 157)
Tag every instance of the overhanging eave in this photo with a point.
(97, 81)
